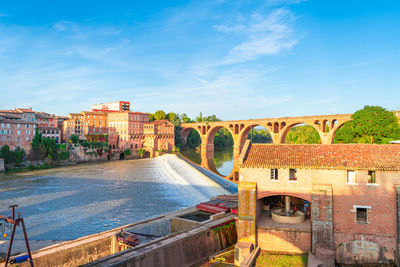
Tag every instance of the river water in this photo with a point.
(70, 202)
(223, 159)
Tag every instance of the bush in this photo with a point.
(63, 155)
(74, 138)
(127, 152)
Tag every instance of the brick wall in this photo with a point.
(381, 228)
(284, 241)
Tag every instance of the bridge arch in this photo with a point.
(246, 130)
(186, 131)
(285, 130)
(209, 139)
(336, 125)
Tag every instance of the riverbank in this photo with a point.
(45, 166)
(112, 194)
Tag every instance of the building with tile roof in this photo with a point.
(349, 195)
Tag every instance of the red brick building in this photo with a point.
(159, 136)
(126, 129)
(16, 132)
(348, 196)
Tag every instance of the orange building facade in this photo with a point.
(159, 136)
(124, 128)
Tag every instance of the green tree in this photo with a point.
(36, 142)
(305, 134)
(172, 116)
(185, 118)
(370, 125)
(260, 136)
(127, 152)
(151, 117)
(141, 152)
(18, 155)
(200, 118)
(74, 138)
(193, 139)
(6, 154)
(159, 115)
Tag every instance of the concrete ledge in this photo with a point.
(250, 260)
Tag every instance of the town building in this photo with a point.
(73, 125)
(126, 129)
(340, 200)
(16, 132)
(48, 126)
(119, 106)
(159, 136)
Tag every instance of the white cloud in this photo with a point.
(283, 2)
(264, 35)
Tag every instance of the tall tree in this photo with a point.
(370, 125)
(200, 117)
(159, 115)
(151, 117)
(185, 118)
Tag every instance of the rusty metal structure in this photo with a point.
(16, 222)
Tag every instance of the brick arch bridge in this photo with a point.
(325, 125)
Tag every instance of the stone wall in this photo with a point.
(321, 217)
(284, 240)
(74, 255)
(361, 248)
(184, 249)
(179, 224)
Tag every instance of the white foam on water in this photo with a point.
(194, 185)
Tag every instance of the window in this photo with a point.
(351, 177)
(362, 215)
(274, 174)
(19, 125)
(292, 174)
(18, 132)
(371, 177)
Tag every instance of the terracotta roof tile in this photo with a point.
(337, 156)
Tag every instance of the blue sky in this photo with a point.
(236, 59)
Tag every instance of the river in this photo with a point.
(223, 159)
(70, 202)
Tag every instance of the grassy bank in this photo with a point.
(266, 259)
